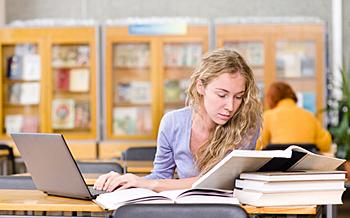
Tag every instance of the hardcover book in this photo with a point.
(79, 80)
(63, 114)
(293, 158)
(62, 79)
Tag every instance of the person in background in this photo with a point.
(222, 113)
(286, 123)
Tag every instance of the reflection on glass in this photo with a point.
(295, 59)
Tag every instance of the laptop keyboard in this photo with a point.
(95, 192)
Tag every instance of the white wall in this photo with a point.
(2, 12)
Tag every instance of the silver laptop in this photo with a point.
(52, 166)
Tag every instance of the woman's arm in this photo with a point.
(111, 181)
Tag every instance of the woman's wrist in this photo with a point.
(149, 183)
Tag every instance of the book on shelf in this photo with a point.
(24, 67)
(14, 67)
(30, 93)
(82, 114)
(113, 200)
(172, 91)
(261, 199)
(70, 55)
(21, 123)
(291, 181)
(79, 80)
(31, 67)
(182, 55)
(293, 158)
(13, 123)
(24, 93)
(122, 92)
(253, 52)
(30, 123)
(137, 92)
(131, 55)
(132, 120)
(14, 93)
(140, 92)
(63, 114)
(124, 120)
(62, 79)
(175, 90)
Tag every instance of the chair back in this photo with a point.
(180, 211)
(139, 153)
(17, 182)
(10, 157)
(99, 167)
(309, 147)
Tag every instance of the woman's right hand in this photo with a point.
(105, 181)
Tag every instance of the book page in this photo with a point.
(114, 199)
(201, 196)
(229, 168)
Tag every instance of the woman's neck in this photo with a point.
(202, 123)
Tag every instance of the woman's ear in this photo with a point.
(200, 87)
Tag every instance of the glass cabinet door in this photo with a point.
(253, 53)
(295, 64)
(132, 89)
(21, 75)
(70, 105)
(180, 60)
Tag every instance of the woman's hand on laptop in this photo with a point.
(113, 180)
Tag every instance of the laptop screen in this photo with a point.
(51, 164)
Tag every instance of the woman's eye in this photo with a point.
(239, 97)
(221, 95)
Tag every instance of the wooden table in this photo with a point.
(34, 200)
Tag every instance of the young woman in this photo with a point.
(223, 114)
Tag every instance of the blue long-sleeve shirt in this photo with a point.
(173, 146)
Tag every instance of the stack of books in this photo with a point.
(290, 188)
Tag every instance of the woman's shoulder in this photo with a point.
(177, 117)
(184, 112)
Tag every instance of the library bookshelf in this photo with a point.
(293, 53)
(146, 76)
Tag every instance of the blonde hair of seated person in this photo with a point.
(246, 120)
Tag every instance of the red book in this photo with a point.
(62, 80)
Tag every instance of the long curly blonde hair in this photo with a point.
(241, 128)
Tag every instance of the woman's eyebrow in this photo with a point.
(224, 90)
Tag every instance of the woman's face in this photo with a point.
(222, 96)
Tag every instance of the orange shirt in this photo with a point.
(287, 123)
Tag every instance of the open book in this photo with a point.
(113, 200)
(294, 158)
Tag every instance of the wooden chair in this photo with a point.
(99, 167)
(17, 182)
(139, 153)
(10, 159)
